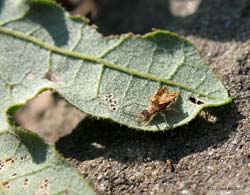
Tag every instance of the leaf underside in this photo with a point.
(29, 166)
(111, 77)
(42, 47)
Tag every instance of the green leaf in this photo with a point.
(29, 166)
(42, 47)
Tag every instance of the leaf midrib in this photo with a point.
(101, 61)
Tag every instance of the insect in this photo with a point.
(161, 100)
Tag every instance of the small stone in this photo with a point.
(185, 192)
(210, 153)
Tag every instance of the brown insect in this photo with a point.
(160, 101)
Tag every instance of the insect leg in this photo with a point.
(150, 119)
(165, 119)
(173, 109)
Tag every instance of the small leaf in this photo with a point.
(29, 166)
(44, 48)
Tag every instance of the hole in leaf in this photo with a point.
(195, 100)
(48, 115)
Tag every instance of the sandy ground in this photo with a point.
(211, 155)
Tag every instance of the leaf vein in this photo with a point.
(78, 55)
(152, 59)
(114, 46)
(178, 66)
(78, 39)
(29, 173)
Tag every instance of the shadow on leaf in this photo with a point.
(37, 148)
(52, 21)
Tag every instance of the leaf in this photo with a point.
(44, 48)
(29, 166)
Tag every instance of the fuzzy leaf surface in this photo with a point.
(42, 47)
(30, 166)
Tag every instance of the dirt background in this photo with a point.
(211, 155)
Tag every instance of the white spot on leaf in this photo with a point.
(5, 164)
(43, 189)
(30, 76)
(110, 101)
(6, 185)
(26, 182)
